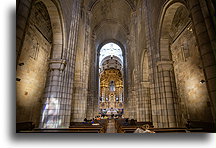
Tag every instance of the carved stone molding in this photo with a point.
(57, 64)
(165, 65)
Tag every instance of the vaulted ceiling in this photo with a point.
(111, 19)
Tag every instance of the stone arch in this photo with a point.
(166, 18)
(114, 41)
(115, 57)
(95, 2)
(43, 39)
(145, 66)
(180, 59)
(56, 19)
(125, 74)
(124, 54)
(144, 101)
(57, 64)
(166, 76)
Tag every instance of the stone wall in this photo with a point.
(23, 12)
(154, 11)
(33, 66)
(36, 84)
(193, 95)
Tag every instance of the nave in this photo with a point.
(150, 61)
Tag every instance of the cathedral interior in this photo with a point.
(148, 61)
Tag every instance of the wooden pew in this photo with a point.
(206, 126)
(75, 127)
(164, 130)
(24, 126)
(67, 130)
(84, 126)
(90, 128)
(127, 129)
(104, 123)
(132, 125)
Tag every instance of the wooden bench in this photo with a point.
(96, 128)
(163, 130)
(82, 126)
(76, 127)
(131, 126)
(122, 128)
(66, 130)
(206, 126)
(24, 126)
(127, 129)
(104, 123)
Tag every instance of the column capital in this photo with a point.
(57, 64)
(165, 65)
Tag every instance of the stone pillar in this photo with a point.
(55, 111)
(166, 103)
(133, 94)
(164, 46)
(127, 103)
(89, 113)
(22, 16)
(133, 104)
(137, 95)
(79, 103)
(144, 105)
(206, 11)
(206, 48)
(93, 81)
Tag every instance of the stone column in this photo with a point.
(55, 111)
(205, 39)
(166, 104)
(79, 103)
(205, 7)
(22, 17)
(133, 93)
(133, 105)
(129, 107)
(93, 81)
(144, 104)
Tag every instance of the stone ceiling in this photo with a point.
(111, 19)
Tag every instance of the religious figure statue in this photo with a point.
(112, 86)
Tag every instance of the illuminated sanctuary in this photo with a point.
(111, 80)
(105, 66)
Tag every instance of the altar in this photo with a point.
(111, 111)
